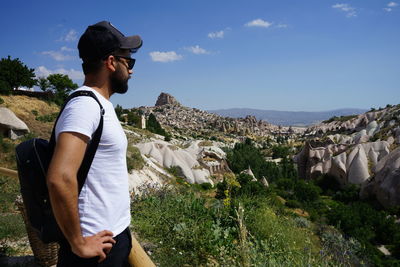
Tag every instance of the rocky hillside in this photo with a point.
(37, 114)
(362, 150)
(171, 114)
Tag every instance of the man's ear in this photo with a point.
(111, 63)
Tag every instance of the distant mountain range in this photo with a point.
(287, 118)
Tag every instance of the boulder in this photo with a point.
(10, 125)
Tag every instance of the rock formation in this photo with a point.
(250, 172)
(10, 125)
(385, 185)
(357, 151)
(197, 162)
(194, 121)
(166, 99)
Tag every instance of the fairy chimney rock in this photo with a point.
(164, 99)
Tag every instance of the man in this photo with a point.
(94, 222)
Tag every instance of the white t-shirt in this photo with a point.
(104, 202)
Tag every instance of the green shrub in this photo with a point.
(48, 117)
(302, 222)
(206, 186)
(306, 191)
(280, 151)
(35, 112)
(286, 184)
(348, 194)
(9, 188)
(176, 171)
(184, 229)
(368, 225)
(12, 226)
(345, 251)
(134, 159)
(1, 101)
(188, 230)
(292, 203)
(278, 240)
(341, 118)
(245, 155)
(5, 145)
(154, 126)
(328, 184)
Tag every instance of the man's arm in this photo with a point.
(63, 190)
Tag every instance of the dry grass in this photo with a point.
(22, 106)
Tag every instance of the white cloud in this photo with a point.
(42, 71)
(215, 35)
(57, 55)
(67, 49)
(71, 36)
(197, 50)
(61, 55)
(258, 23)
(389, 7)
(170, 56)
(350, 11)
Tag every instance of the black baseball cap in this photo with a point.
(102, 39)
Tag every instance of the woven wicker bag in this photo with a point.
(45, 254)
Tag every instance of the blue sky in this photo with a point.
(308, 55)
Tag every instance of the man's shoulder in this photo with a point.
(83, 102)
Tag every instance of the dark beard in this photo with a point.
(118, 83)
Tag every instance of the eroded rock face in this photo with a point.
(11, 125)
(347, 163)
(385, 185)
(315, 158)
(358, 151)
(165, 99)
(196, 161)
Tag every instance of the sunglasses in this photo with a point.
(129, 60)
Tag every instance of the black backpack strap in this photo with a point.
(94, 142)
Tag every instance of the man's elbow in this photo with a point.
(60, 181)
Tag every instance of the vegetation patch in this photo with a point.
(186, 229)
(206, 143)
(134, 159)
(48, 117)
(340, 119)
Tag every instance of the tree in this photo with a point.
(118, 110)
(13, 74)
(280, 151)
(44, 84)
(61, 85)
(155, 127)
(133, 119)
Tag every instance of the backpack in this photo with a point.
(33, 159)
